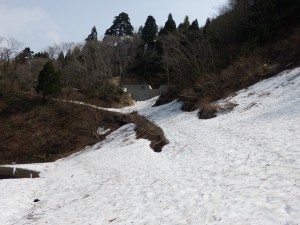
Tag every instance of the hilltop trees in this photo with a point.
(93, 35)
(185, 26)
(177, 55)
(170, 26)
(24, 55)
(194, 26)
(121, 26)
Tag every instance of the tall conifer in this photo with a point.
(93, 35)
(149, 31)
(170, 26)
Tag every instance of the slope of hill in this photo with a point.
(241, 167)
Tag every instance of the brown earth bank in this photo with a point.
(32, 131)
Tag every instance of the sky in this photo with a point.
(41, 23)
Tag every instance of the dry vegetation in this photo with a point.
(35, 132)
(263, 63)
(113, 101)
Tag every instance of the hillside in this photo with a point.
(33, 131)
(241, 167)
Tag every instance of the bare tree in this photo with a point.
(123, 49)
(185, 59)
(63, 47)
(9, 48)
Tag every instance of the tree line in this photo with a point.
(174, 54)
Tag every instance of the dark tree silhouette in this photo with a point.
(24, 55)
(194, 26)
(170, 26)
(149, 31)
(48, 80)
(93, 35)
(121, 26)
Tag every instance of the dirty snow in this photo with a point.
(242, 167)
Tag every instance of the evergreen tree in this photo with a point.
(93, 35)
(185, 26)
(41, 55)
(149, 31)
(48, 80)
(206, 26)
(194, 26)
(61, 57)
(170, 26)
(121, 26)
(140, 30)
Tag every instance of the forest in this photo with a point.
(182, 55)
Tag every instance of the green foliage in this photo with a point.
(93, 35)
(149, 31)
(194, 26)
(185, 26)
(121, 26)
(44, 55)
(206, 27)
(48, 80)
(170, 26)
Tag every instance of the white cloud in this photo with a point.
(30, 25)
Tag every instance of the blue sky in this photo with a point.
(41, 23)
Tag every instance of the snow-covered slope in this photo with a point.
(242, 167)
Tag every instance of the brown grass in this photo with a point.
(35, 132)
(115, 101)
(147, 130)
